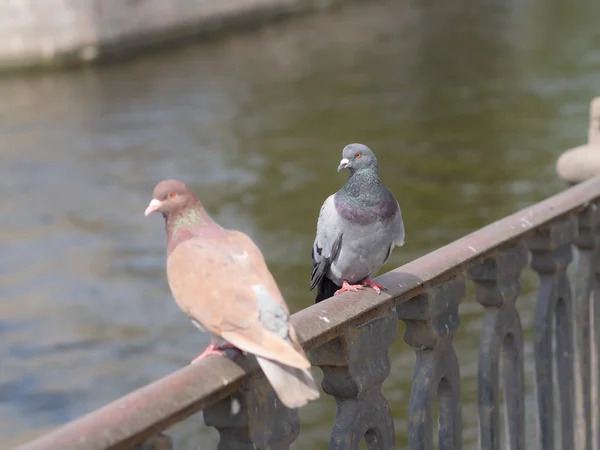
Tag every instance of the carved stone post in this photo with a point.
(497, 286)
(355, 365)
(586, 289)
(551, 250)
(583, 162)
(595, 341)
(431, 322)
(253, 419)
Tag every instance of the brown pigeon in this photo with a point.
(220, 279)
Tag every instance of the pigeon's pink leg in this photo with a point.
(376, 286)
(212, 349)
(348, 287)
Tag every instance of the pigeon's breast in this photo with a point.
(368, 235)
(364, 250)
(365, 210)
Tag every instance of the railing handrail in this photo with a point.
(140, 414)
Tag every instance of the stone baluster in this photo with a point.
(586, 289)
(431, 322)
(595, 341)
(354, 367)
(551, 250)
(497, 287)
(253, 418)
(159, 441)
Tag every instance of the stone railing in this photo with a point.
(349, 337)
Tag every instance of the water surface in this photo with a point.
(467, 106)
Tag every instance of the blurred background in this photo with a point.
(467, 105)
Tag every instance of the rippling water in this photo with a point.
(467, 105)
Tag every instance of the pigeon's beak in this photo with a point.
(343, 164)
(154, 205)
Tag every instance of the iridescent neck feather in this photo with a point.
(185, 224)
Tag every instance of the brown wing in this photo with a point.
(215, 281)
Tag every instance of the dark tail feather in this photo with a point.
(318, 277)
(325, 289)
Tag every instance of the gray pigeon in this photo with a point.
(357, 229)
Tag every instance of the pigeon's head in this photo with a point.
(356, 157)
(170, 196)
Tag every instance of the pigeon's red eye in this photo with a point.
(358, 155)
(172, 195)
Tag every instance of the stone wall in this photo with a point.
(50, 32)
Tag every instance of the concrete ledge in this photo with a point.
(583, 162)
(66, 32)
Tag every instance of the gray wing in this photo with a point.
(398, 228)
(397, 233)
(327, 243)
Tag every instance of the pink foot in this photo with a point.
(376, 286)
(348, 287)
(212, 349)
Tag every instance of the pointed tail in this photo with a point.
(294, 387)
